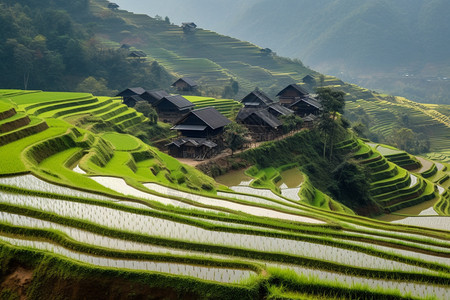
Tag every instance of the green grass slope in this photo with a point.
(105, 215)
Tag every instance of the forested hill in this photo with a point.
(52, 45)
(395, 46)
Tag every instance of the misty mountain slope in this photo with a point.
(397, 47)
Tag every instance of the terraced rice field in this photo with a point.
(111, 203)
(227, 107)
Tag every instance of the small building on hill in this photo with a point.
(137, 54)
(306, 106)
(132, 100)
(154, 96)
(172, 108)
(309, 121)
(291, 94)
(256, 99)
(201, 134)
(205, 122)
(129, 95)
(185, 84)
(196, 148)
(189, 27)
(310, 80)
(262, 125)
(278, 110)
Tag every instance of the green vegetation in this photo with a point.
(226, 107)
(92, 211)
(49, 45)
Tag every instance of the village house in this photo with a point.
(154, 96)
(256, 99)
(310, 80)
(136, 54)
(189, 27)
(185, 84)
(291, 94)
(132, 100)
(261, 115)
(171, 108)
(201, 134)
(131, 96)
(262, 125)
(306, 106)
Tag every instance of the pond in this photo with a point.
(291, 178)
(234, 178)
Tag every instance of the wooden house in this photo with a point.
(262, 125)
(113, 6)
(189, 27)
(154, 96)
(137, 54)
(205, 122)
(278, 110)
(201, 134)
(291, 94)
(171, 108)
(310, 80)
(256, 99)
(132, 100)
(196, 148)
(128, 95)
(185, 84)
(306, 106)
(309, 121)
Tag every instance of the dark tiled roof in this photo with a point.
(197, 142)
(188, 81)
(131, 91)
(259, 95)
(157, 94)
(268, 118)
(296, 87)
(311, 101)
(282, 110)
(263, 114)
(245, 112)
(136, 98)
(211, 116)
(189, 127)
(310, 118)
(177, 100)
(137, 53)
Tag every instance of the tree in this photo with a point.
(235, 136)
(96, 87)
(147, 110)
(291, 122)
(333, 103)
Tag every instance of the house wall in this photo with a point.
(303, 109)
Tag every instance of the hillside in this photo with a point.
(213, 60)
(392, 46)
(104, 215)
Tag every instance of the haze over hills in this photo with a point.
(393, 46)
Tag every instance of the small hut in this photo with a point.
(256, 99)
(185, 84)
(291, 94)
(171, 108)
